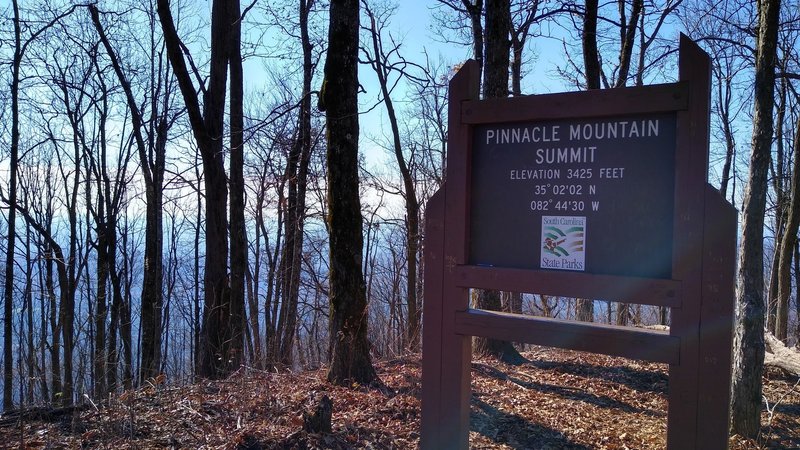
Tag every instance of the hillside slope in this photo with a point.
(560, 400)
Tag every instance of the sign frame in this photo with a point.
(700, 292)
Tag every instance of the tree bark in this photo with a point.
(629, 36)
(584, 310)
(498, 49)
(8, 287)
(350, 349)
(749, 334)
(788, 243)
(779, 178)
(475, 12)
(797, 292)
(495, 85)
(591, 57)
(724, 98)
(238, 232)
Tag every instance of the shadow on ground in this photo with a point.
(516, 432)
(565, 392)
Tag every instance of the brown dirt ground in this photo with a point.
(560, 400)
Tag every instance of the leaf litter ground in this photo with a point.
(559, 400)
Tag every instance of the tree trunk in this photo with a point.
(112, 372)
(629, 36)
(101, 310)
(498, 48)
(28, 296)
(350, 349)
(591, 57)
(495, 85)
(730, 142)
(8, 287)
(501, 350)
(584, 310)
(296, 175)
(591, 62)
(780, 187)
(221, 337)
(475, 12)
(238, 232)
(125, 326)
(749, 335)
(788, 243)
(797, 293)
(55, 321)
(153, 173)
(196, 318)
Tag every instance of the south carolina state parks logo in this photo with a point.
(563, 243)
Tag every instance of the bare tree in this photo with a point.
(222, 337)
(749, 335)
(788, 243)
(389, 66)
(150, 138)
(296, 175)
(350, 358)
(463, 17)
(20, 47)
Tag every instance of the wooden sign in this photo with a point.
(587, 195)
(598, 195)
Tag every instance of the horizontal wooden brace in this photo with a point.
(643, 291)
(634, 343)
(596, 103)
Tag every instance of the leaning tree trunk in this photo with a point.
(350, 358)
(749, 335)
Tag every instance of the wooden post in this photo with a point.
(716, 322)
(691, 171)
(446, 373)
(432, 314)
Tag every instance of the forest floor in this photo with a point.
(559, 400)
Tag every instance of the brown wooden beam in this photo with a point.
(634, 343)
(644, 291)
(596, 103)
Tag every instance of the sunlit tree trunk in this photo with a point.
(749, 333)
(788, 244)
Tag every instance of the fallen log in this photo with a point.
(779, 355)
(42, 413)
